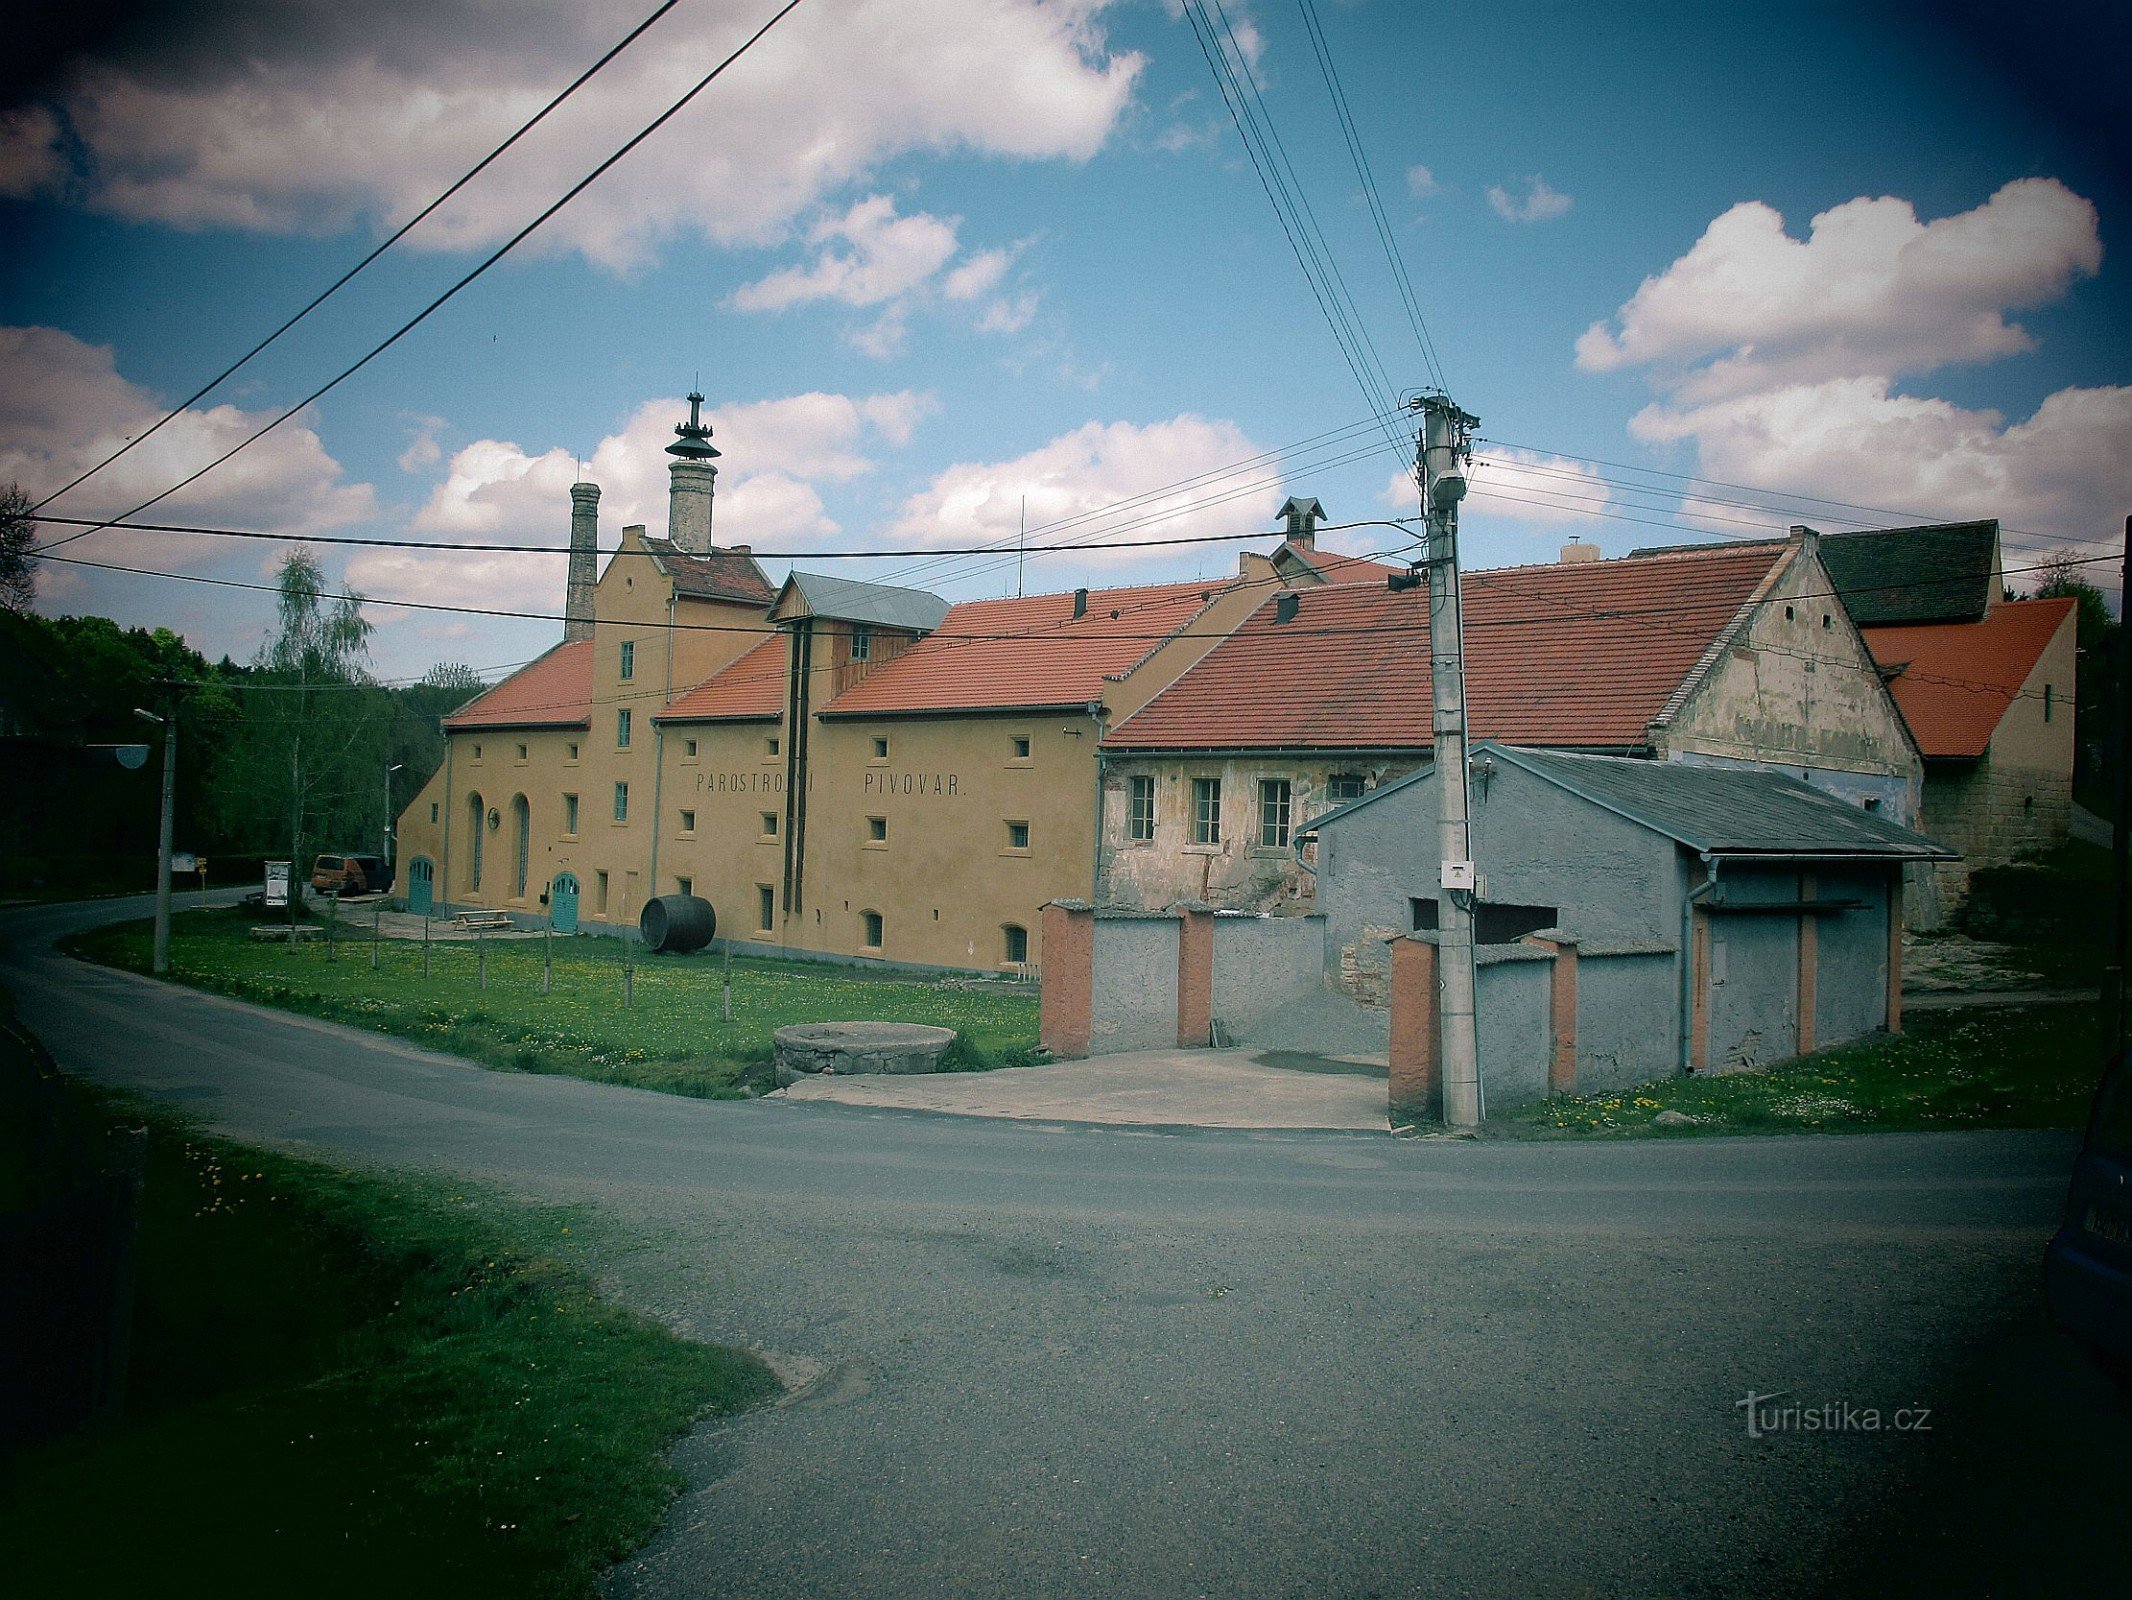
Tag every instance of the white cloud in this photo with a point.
(275, 122)
(1077, 476)
(30, 158)
(1538, 203)
(1008, 315)
(775, 453)
(422, 450)
(2063, 472)
(1869, 290)
(1421, 183)
(65, 406)
(867, 256)
(979, 275)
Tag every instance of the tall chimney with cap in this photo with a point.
(693, 480)
(584, 560)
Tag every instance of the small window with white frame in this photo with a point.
(1206, 811)
(1274, 795)
(1140, 809)
(862, 644)
(629, 660)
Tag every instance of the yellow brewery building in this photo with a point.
(837, 767)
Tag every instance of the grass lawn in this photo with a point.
(673, 1037)
(2003, 1068)
(349, 1384)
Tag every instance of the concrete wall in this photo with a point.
(1133, 1001)
(1799, 693)
(1754, 964)
(1628, 1016)
(1511, 1004)
(1264, 963)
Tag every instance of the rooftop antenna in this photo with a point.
(1021, 539)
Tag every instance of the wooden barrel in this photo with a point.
(678, 923)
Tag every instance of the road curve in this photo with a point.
(1075, 1361)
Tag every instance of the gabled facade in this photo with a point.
(1718, 655)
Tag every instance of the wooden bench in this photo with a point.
(484, 921)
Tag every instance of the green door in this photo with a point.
(421, 885)
(562, 903)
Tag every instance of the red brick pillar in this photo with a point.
(1069, 982)
(1561, 1014)
(1195, 975)
(1417, 1044)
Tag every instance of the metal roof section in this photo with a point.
(879, 605)
(1941, 572)
(1725, 811)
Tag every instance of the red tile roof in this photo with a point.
(551, 691)
(1958, 678)
(723, 574)
(1582, 655)
(1336, 568)
(1007, 654)
(751, 686)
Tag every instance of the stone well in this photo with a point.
(846, 1047)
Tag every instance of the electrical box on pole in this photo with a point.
(1446, 451)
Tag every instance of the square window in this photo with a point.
(765, 908)
(769, 747)
(1017, 836)
(621, 802)
(880, 749)
(870, 929)
(684, 885)
(621, 729)
(629, 659)
(1273, 797)
(1020, 746)
(862, 644)
(569, 813)
(877, 828)
(1206, 811)
(689, 749)
(769, 824)
(688, 822)
(477, 752)
(1140, 809)
(521, 752)
(1017, 944)
(573, 750)
(1343, 787)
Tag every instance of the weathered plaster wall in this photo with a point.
(1134, 1004)
(1800, 693)
(1510, 1001)
(1628, 1018)
(1239, 872)
(1264, 963)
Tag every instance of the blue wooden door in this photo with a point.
(562, 903)
(421, 885)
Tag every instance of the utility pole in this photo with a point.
(1446, 447)
(169, 720)
(389, 771)
(2121, 823)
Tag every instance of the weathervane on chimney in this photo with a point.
(694, 436)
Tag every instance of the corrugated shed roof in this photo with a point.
(1938, 573)
(749, 688)
(721, 575)
(1005, 654)
(1721, 810)
(1726, 810)
(1584, 654)
(847, 600)
(550, 691)
(1958, 678)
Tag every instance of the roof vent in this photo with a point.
(1284, 606)
(1576, 551)
(1302, 516)
(1080, 604)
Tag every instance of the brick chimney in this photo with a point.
(584, 560)
(1574, 552)
(1302, 516)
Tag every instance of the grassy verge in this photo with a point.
(674, 1037)
(344, 1384)
(2010, 1068)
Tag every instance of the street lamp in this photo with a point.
(389, 771)
(169, 724)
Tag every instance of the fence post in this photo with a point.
(547, 953)
(481, 954)
(425, 944)
(377, 921)
(333, 920)
(1066, 1005)
(629, 974)
(1417, 1079)
(1195, 974)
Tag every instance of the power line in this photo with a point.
(339, 283)
(487, 262)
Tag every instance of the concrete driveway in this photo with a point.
(1109, 1362)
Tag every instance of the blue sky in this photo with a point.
(928, 257)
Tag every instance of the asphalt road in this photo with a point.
(1085, 1362)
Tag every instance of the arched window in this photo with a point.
(477, 827)
(522, 822)
(1017, 944)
